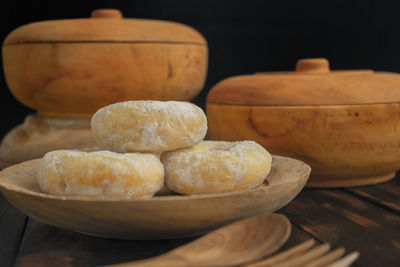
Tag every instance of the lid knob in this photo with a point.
(313, 65)
(106, 14)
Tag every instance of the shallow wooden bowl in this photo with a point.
(153, 218)
(345, 145)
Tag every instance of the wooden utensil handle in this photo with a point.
(163, 260)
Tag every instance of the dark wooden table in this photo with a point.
(366, 219)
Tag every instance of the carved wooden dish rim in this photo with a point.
(7, 184)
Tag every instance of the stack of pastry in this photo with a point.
(148, 144)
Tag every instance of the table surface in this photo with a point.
(366, 219)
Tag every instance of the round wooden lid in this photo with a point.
(105, 25)
(311, 84)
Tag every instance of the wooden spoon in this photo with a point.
(237, 243)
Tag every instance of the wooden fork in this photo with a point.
(305, 255)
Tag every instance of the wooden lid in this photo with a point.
(311, 84)
(105, 25)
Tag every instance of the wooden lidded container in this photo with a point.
(68, 69)
(73, 67)
(345, 124)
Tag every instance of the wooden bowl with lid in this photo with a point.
(70, 68)
(344, 124)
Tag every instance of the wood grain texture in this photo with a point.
(76, 79)
(240, 242)
(312, 65)
(141, 218)
(385, 195)
(341, 219)
(45, 245)
(297, 236)
(104, 26)
(286, 255)
(344, 145)
(312, 84)
(106, 13)
(12, 226)
(38, 135)
(306, 255)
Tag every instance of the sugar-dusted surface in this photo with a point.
(149, 126)
(216, 166)
(101, 173)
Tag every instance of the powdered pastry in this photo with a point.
(216, 167)
(148, 126)
(100, 173)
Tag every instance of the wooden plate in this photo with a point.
(153, 218)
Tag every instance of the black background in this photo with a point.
(243, 36)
